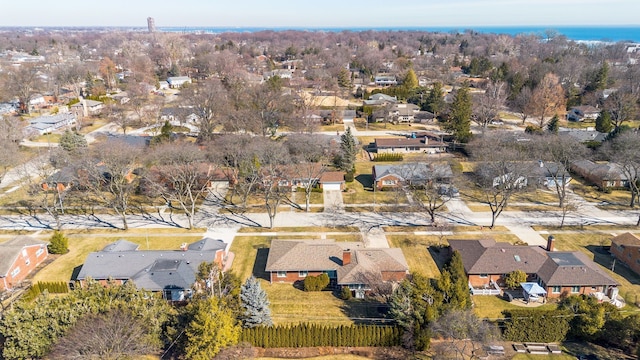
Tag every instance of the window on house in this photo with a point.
(24, 253)
(303, 273)
(556, 289)
(484, 276)
(282, 274)
(27, 262)
(388, 182)
(39, 252)
(575, 289)
(15, 271)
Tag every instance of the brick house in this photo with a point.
(626, 248)
(408, 145)
(171, 272)
(18, 258)
(390, 176)
(603, 175)
(332, 180)
(486, 263)
(346, 263)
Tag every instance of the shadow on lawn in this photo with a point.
(260, 263)
(365, 311)
(602, 257)
(366, 180)
(440, 255)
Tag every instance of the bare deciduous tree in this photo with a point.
(547, 98)
(22, 82)
(624, 151)
(487, 105)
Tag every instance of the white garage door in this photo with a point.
(331, 186)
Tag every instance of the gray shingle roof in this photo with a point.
(572, 268)
(415, 172)
(150, 269)
(10, 250)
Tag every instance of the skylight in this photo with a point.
(517, 257)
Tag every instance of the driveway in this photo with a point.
(332, 200)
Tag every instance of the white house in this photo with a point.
(178, 81)
(49, 123)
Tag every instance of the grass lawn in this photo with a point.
(82, 243)
(613, 200)
(416, 250)
(313, 229)
(48, 138)
(290, 305)
(487, 306)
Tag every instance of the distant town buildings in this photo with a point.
(151, 24)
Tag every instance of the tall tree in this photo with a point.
(603, 122)
(435, 99)
(460, 112)
(255, 303)
(410, 80)
(207, 100)
(308, 155)
(624, 151)
(622, 106)
(547, 99)
(348, 152)
(212, 327)
(464, 333)
(486, 106)
(500, 170)
(22, 82)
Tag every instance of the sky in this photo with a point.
(326, 13)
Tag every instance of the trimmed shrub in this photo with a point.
(51, 287)
(388, 157)
(316, 283)
(526, 325)
(349, 177)
(310, 335)
(345, 293)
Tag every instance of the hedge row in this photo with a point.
(308, 335)
(38, 288)
(536, 325)
(388, 157)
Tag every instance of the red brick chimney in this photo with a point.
(551, 243)
(346, 257)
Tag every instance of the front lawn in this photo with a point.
(416, 250)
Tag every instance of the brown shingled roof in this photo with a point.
(626, 239)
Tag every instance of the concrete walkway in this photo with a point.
(333, 200)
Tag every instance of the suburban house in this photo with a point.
(410, 145)
(603, 175)
(626, 248)
(486, 262)
(380, 100)
(18, 258)
(61, 180)
(385, 80)
(346, 263)
(45, 124)
(584, 135)
(337, 116)
(281, 73)
(581, 113)
(403, 112)
(87, 107)
(171, 272)
(390, 176)
(547, 174)
(332, 180)
(177, 81)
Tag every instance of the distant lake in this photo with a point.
(583, 33)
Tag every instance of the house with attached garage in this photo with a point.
(408, 145)
(417, 174)
(18, 258)
(170, 272)
(604, 175)
(46, 124)
(347, 264)
(487, 262)
(177, 81)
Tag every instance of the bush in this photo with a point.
(345, 293)
(388, 157)
(59, 244)
(349, 177)
(51, 287)
(526, 325)
(316, 283)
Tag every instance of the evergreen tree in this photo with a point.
(459, 296)
(255, 303)
(459, 123)
(71, 141)
(165, 134)
(211, 328)
(59, 244)
(344, 80)
(435, 99)
(514, 278)
(410, 80)
(553, 125)
(348, 152)
(603, 122)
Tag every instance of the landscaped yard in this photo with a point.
(81, 243)
(416, 250)
(491, 307)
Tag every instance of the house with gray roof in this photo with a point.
(48, 123)
(408, 145)
(177, 81)
(560, 273)
(604, 175)
(347, 264)
(171, 272)
(386, 176)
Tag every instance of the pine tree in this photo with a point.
(254, 301)
(553, 125)
(435, 99)
(212, 328)
(349, 150)
(459, 123)
(71, 141)
(59, 244)
(410, 80)
(603, 122)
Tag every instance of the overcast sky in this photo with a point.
(326, 13)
